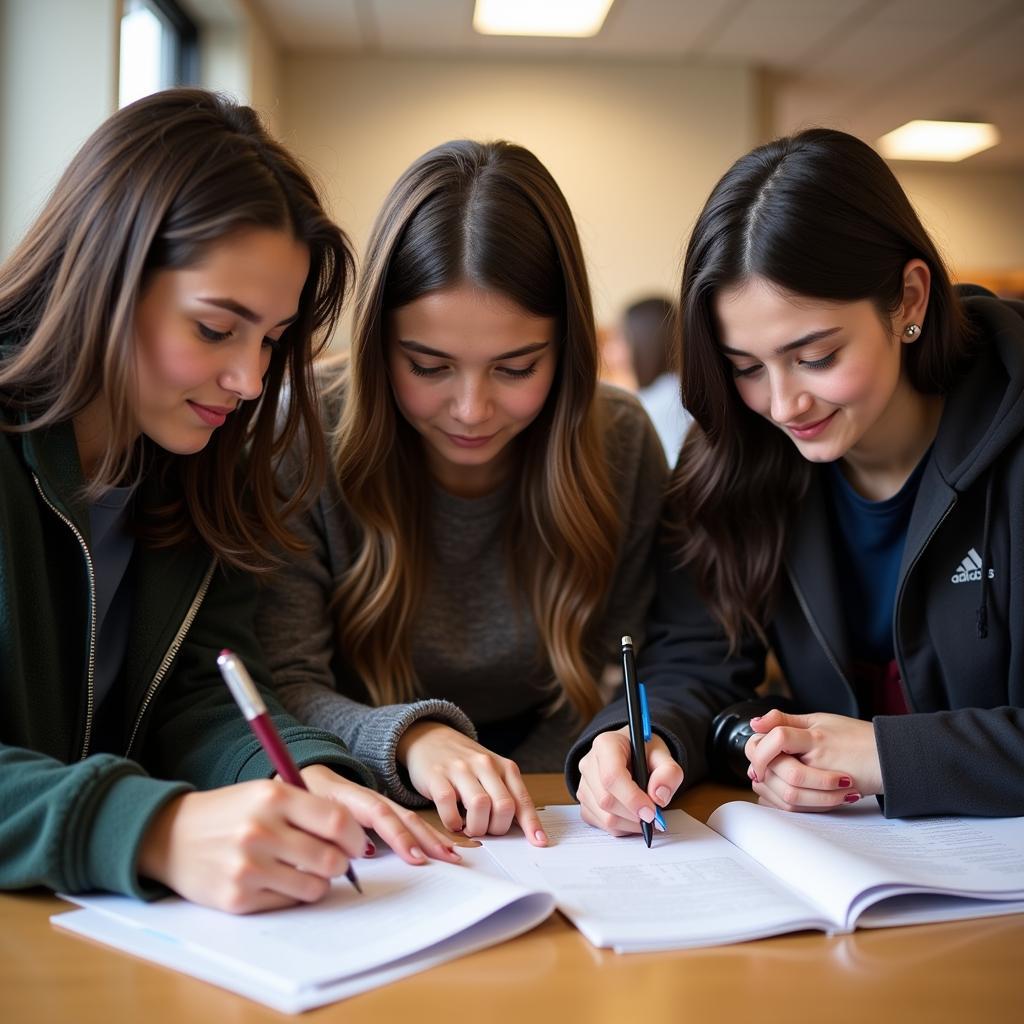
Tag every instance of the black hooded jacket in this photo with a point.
(958, 629)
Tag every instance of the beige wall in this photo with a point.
(635, 147)
(58, 80)
(976, 216)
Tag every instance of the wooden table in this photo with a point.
(966, 971)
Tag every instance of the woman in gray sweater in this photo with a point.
(486, 536)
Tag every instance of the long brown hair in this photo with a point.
(491, 215)
(153, 188)
(820, 215)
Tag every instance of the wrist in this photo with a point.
(154, 851)
(415, 732)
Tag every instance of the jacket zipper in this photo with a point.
(172, 651)
(816, 630)
(91, 670)
(899, 602)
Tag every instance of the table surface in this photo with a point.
(968, 970)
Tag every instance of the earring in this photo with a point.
(911, 331)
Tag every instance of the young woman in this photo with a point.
(485, 537)
(178, 272)
(854, 497)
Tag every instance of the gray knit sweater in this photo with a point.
(475, 647)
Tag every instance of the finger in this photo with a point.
(594, 815)
(774, 718)
(503, 804)
(308, 854)
(616, 791)
(474, 798)
(442, 792)
(409, 835)
(526, 812)
(789, 798)
(666, 774)
(321, 817)
(794, 772)
(782, 740)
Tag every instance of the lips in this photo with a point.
(806, 431)
(464, 441)
(211, 415)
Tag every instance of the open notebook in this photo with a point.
(408, 919)
(757, 872)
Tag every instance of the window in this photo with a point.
(158, 48)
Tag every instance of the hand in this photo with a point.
(451, 769)
(403, 830)
(608, 796)
(252, 846)
(812, 762)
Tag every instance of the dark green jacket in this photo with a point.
(70, 818)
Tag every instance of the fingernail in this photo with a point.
(454, 853)
(752, 775)
(663, 794)
(540, 836)
(851, 798)
(756, 718)
(646, 814)
(458, 828)
(370, 849)
(845, 783)
(416, 852)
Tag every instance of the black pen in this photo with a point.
(636, 728)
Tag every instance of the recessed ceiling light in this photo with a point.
(540, 17)
(938, 140)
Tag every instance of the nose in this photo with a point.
(789, 400)
(471, 403)
(246, 365)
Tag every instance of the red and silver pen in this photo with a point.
(250, 703)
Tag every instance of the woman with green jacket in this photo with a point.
(172, 284)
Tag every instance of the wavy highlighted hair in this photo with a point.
(152, 189)
(492, 216)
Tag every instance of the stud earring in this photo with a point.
(911, 331)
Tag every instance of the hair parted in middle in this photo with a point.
(489, 215)
(819, 215)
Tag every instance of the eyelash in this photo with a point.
(433, 371)
(209, 334)
(811, 364)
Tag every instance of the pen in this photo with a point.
(659, 821)
(636, 728)
(250, 703)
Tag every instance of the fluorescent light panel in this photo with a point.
(938, 140)
(576, 18)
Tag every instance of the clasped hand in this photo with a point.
(812, 762)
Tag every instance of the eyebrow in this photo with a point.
(425, 350)
(244, 312)
(807, 339)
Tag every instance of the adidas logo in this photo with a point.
(969, 570)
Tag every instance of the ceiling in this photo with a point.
(863, 65)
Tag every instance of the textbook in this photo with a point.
(753, 871)
(408, 919)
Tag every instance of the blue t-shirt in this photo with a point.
(870, 537)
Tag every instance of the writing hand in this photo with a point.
(609, 798)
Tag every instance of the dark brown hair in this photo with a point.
(490, 215)
(153, 188)
(818, 214)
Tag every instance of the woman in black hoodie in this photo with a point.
(853, 499)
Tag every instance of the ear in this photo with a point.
(917, 280)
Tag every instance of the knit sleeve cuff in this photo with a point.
(383, 729)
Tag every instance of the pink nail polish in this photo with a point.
(845, 783)
(851, 798)
(370, 849)
(756, 718)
